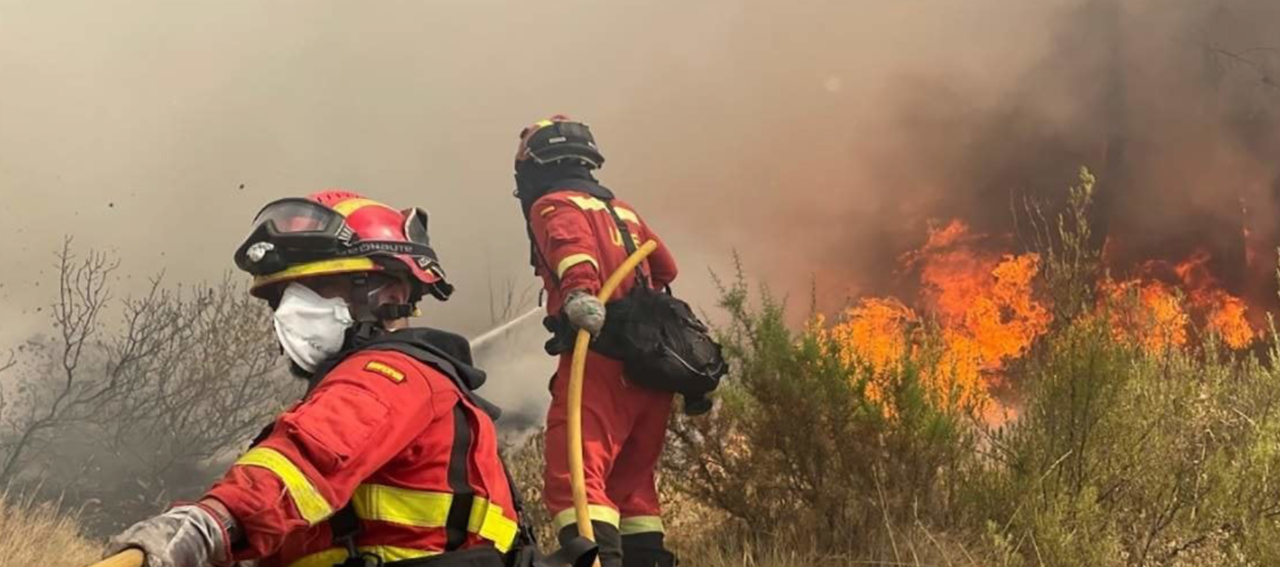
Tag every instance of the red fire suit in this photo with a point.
(623, 425)
(381, 431)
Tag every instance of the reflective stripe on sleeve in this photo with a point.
(313, 507)
(573, 260)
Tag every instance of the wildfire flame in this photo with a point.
(982, 301)
(1148, 313)
(874, 331)
(985, 305)
(1161, 318)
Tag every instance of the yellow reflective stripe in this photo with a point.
(390, 553)
(597, 513)
(326, 558)
(627, 215)
(339, 266)
(345, 208)
(587, 203)
(331, 557)
(488, 522)
(425, 509)
(416, 508)
(640, 524)
(313, 507)
(594, 204)
(574, 260)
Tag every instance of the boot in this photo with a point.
(607, 539)
(646, 550)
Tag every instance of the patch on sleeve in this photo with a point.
(384, 369)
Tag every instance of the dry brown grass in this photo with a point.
(736, 546)
(39, 534)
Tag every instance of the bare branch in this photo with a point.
(1264, 76)
(13, 361)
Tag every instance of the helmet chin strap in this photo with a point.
(368, 315)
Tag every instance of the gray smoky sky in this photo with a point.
(814, 137)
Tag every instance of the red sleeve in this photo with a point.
(568, 244)
(361, 416)
(662, 265)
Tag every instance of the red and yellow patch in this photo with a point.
(386, 370)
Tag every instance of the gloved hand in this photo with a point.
(584, 311)
(185, 536)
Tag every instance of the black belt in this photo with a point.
(475, 557)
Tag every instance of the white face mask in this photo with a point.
(311, 328)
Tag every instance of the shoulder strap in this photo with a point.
(345, 526)
(459, 516)
(628, 242)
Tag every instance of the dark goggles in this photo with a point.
(294, 231)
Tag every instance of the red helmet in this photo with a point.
(340, 232)
(557, 139)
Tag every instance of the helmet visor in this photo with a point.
(299, 216)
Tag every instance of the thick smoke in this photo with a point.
(1173, 104)
(815, 138)
(840, 132)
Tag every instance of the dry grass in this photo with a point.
(40, 534)
(733, 546)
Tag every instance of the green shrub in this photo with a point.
(798, 451)
(1120, 454)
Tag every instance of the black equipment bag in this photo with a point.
(661, 342)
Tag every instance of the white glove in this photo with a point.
(185, 536)
(584, 311)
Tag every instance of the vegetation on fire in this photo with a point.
(1122, 452)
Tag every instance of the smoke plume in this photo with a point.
(818, 139)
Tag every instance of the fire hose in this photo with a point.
(126, 558)
(577, 479)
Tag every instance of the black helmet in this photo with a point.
(559, 140)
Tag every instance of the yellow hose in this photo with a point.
(126, 558)
(577, 479)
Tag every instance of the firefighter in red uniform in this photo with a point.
(389, 459)
(577, 244)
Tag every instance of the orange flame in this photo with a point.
(984, 303)
(988, 314)
(1223, 313)
(1162, 320)
(875, 332)
(1147, 313)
